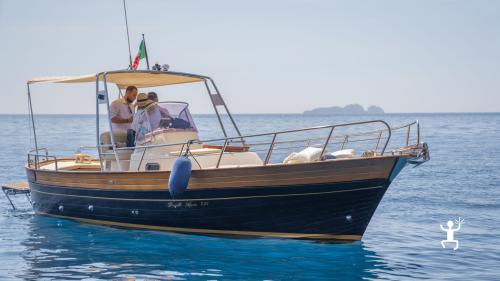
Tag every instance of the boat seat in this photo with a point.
(119, 136)
(120, 140)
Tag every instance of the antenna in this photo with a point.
(128, 36)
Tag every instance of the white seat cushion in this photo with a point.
(344, 153)
(307, 155)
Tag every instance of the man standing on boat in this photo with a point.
(122, 110)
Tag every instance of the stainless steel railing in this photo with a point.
(34, 157)
(243, 139)
(381, 138)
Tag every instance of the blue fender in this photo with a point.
(179, 176)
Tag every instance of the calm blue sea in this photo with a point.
(402, 241)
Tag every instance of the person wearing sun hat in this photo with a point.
(149, 107)
(143, 101)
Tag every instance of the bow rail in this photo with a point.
(381, 139)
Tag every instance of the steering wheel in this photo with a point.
(166, 122)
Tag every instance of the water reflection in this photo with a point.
(62, 249)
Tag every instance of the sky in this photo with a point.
(265, 56)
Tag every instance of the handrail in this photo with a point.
(228, 140)
(266, 134)
(347, 138)
(37, 159)
(38, 149)
(408, 131)
(82, 147)
(34, 152)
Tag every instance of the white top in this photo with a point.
(122, 109)
(154, 117)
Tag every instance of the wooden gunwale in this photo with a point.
(305, 173)
(235, 178)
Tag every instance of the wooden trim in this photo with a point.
(228, 148)
(19, 186)
(273, 175)
(319, 236)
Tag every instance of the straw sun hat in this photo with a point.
(143, 101)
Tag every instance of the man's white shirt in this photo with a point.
(122, 109)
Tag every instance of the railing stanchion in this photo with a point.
(378, 140)
(326, 142)
(271, 147)
(346, 137)
(408, 135)
(221, 153)
(418, 133)
(142, 158)
(389, 134)
(182, 149)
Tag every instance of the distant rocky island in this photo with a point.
(351, 109)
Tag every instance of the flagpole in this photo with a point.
(128, 36)
(145, 50)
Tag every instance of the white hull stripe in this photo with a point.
(210, 199)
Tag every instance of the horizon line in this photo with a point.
(285, 113)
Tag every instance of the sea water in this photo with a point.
(402, 241)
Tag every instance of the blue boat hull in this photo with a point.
(323, 211)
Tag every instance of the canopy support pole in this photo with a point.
(97, 125)
(120, 94)
(215, 108)
(227, 110)
(113, 143)
(32, 119)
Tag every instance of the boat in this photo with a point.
(306, 183)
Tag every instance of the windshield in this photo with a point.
(161, 116)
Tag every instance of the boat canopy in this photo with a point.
(140, 79)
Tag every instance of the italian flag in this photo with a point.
(140, 55)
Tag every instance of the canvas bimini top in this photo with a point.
(141, 79)
(124, 78)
